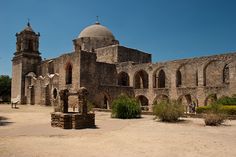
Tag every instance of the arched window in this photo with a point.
(161, 79)
(69, 74)
(51, 67)
(30, 47)
(196, 78)
(141, 79)
(123, 79)
(178, 78)
(226, 74)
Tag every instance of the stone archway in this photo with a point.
(187, 101)
(160, 98)
(159, 78)
(123, 79)
(210, 99)
(141, 79)
(214, 69)
(102, 100)
(106, 102)
(143, 101)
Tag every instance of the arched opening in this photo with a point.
(189, 102)
(161, 79)
(28, 45)
(143, 101)
(47, 95)
(51, 67)
(226, 74)
(160, 98)
(141, 79)
(105, 102)
(178, 78)
(69, 74)
(54, 93)
(213, 74)
(196, 78)
(123, 79)
(32, 95)
(210, 99)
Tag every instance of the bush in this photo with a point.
(125, 108)
(214, 114)
(216, 108)
(168, 111)
(213, 119)
(202, 109)
(228, 110)
(225, 100)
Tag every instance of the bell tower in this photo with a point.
(26, 59)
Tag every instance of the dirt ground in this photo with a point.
(26, 132)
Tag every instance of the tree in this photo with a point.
(5, 88)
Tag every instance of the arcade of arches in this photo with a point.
(186, 80)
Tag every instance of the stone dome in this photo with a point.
(96, 30)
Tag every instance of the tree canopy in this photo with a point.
(5, 88)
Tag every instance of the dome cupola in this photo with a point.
(96, 31)
(95, 36)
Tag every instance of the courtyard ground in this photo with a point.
(26, 132)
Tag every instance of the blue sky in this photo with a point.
(169, 29)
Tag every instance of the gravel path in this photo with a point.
(26, 132)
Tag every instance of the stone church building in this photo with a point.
(108, 69)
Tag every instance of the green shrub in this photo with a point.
(228, 110)
(168, 111)
(225, 100)
(125, 108)
(202, 109)
(215, 108)
(213, 119)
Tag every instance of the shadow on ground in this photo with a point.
(4, 121)
(180, 121)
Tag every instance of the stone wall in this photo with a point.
(107, 54)
(200, 77)
(116, 53)
(127, 54)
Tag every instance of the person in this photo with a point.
(190, 108)
(194, 107)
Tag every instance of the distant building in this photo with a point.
(107, 69)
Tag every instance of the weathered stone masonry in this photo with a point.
(107, 69)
